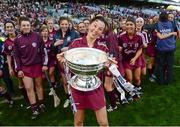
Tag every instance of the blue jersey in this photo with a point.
(166, 44)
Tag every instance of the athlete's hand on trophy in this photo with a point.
(111, 61)
(60, 57)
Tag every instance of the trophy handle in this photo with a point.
(69, 81)
(122, 82)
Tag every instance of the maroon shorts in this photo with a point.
(143, 61)
(151, 50)
(32, 71)
(51, 62)
(126, 64)
(93, 100)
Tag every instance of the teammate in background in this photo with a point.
(30, 60)
(8, 50)
(122, 25)
(139, 28)
(81, 28)
(171, 18)
(6, 76)
(51, 55)
(151, 50)
(86, 22)
(3, 92)
(132, 45)
(50, 25)
(62, 39)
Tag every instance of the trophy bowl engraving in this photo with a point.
(85, 63)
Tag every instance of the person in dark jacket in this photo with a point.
(6, 75)
(62, 39)
(3, 91)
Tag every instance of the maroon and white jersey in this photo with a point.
(82, 42)
(29, 50)
(153, 38)
(48, 45)
(111, 41)
(82, 34)
(51, 54)
(145, 37)
(51, 34)
(151, 48)
(130, 46)
(8, 47)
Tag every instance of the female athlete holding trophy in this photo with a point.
(94, 99)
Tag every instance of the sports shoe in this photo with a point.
(11, 103)
(28, 106)
(153, 76)
(42, 108)
(118, 101)
(66, 103)
(151, 79)
(35, 114)
(132, 98)
(137, 88)
(124, 101)
(111, 109)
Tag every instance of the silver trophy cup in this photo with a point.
(85, 63)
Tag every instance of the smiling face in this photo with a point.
(9, 27)
(96, 28)
(81, 28)
(44, 32)
(139, 22)
(64, 25)
(130, 27)
(122, 24)
(25, 27)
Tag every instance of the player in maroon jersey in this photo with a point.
(151, 50)
(50, 25)
(131, 44)
(139, 28)
(30, 60)
(8, 51)
(51, 55)
(81, 29)
(94, 99)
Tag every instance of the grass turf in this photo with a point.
(159, 105)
